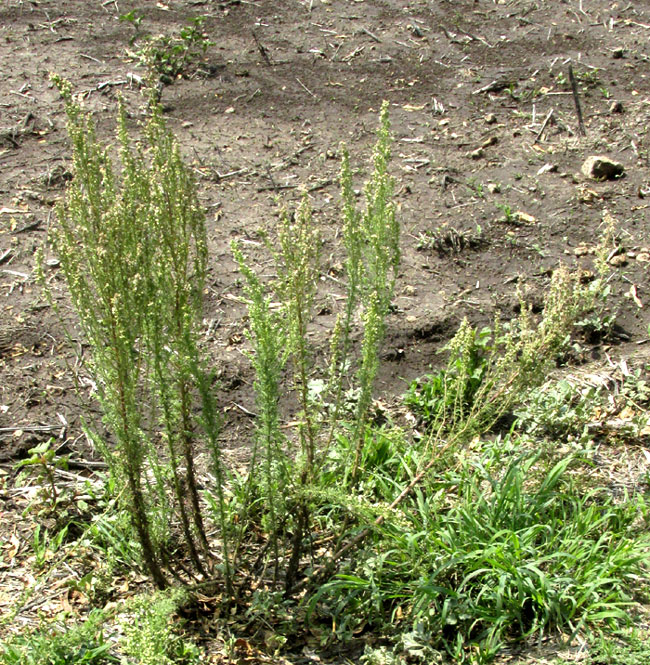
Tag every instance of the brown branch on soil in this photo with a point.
(262, 49)
(546, 121)
(576, 99)
(371, 35)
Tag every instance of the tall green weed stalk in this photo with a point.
(371, 241)
(133, 253)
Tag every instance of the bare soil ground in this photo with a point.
(490, 188)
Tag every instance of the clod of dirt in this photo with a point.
(616, 107)
(618, 260)
(599, 167)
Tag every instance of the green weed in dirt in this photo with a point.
(448, 543)
(489, 371)
(371, 240)
(84, 644)
(151, 635)
(43, 461)
(168, 57)
(133, 253)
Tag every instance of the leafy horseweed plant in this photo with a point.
(133, 253)
(371, 240)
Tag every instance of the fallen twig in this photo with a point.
(576, 99)
(546, 121)
(261, 48)
(371, 35)
(494, 86)
(31, 428)
(28, 227)
(306, 88)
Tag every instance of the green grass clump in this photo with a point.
(518, 553)
(84, 644)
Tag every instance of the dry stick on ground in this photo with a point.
(263, 52)
(546, 121)
(576, 99)
(371, 35)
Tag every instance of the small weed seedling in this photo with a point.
(136, 21)
(171, 56)
(44, 460)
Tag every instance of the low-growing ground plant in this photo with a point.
(168, 57)
(43, 461)
(494, 552)
(84, 644)
(151, 634)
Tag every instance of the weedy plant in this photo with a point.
(84, 644)
(43, 460)
(461, 551)
(151, 635)
(489, 371)
(133, 253)
(169, 56)
(371, 240)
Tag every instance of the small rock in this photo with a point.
(618, 260)
(643, 257)
(524, 217)
(547, 168)
(599, 167)
(409, 290)
(616, 107)
(618, 53)
(493, 187)
(586, 195)
(643, 192)
(490, 119)
(476, 154)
